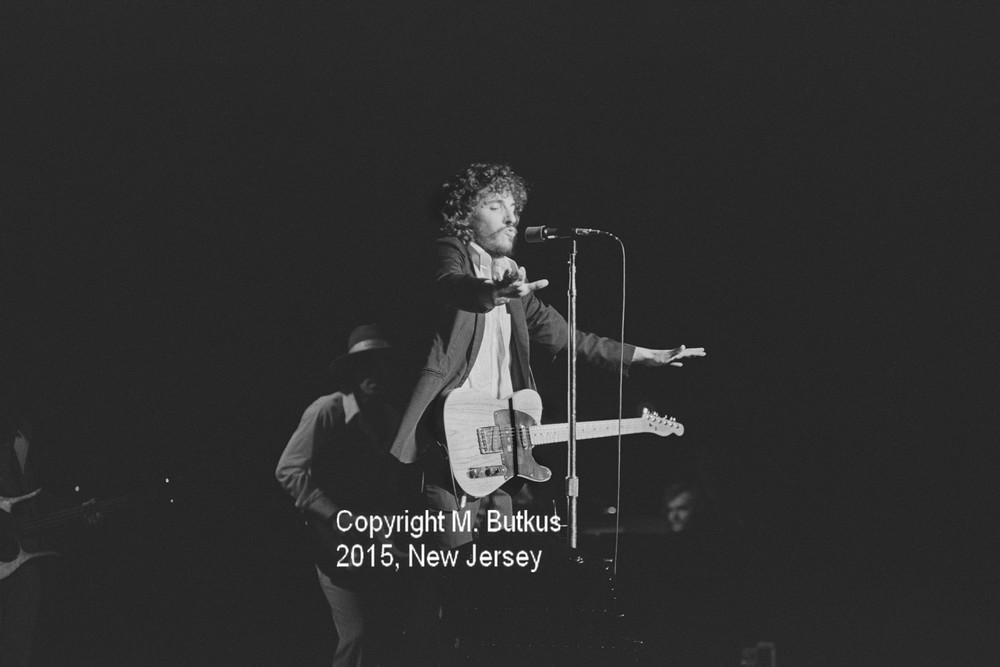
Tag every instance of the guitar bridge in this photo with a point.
(487, 471)
(490, 440)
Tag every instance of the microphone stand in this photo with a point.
(572, 481)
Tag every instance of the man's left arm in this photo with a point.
(547, 327)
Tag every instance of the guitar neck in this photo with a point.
(41, 523)
(545, 434)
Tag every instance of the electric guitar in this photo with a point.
(489, 440)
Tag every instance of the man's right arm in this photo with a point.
(456, 286)
(294, 471)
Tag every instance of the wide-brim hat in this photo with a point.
(366, 347)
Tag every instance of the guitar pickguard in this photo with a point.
(518, 439)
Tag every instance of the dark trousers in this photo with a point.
(20, 599)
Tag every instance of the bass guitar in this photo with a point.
(13, 555)
(490, 440)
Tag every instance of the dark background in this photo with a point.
(199, 201)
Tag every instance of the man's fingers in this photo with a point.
(538, 284)
(683, 351)
(506, 280)
(518, 288)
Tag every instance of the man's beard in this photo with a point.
(498, 245)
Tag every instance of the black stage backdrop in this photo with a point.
(200, 200)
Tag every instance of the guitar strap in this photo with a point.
(515, 436)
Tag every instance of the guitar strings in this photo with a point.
(54, 519)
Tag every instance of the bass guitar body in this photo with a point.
(12, 554)
(8, 566)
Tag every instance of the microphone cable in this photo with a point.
(621, 392)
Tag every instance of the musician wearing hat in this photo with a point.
(337, 462)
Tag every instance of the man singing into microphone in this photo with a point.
(489, 313)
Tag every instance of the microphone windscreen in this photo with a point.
(534, 234)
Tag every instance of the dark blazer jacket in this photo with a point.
(463, 301)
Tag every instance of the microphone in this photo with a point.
(540, 234)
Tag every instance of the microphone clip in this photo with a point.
(542, 234)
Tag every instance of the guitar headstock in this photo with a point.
(662, 425)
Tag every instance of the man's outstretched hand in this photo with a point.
(647, 357)
(515, 285)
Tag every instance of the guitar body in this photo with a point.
(7, 567)
(487, 439)
(12, 554)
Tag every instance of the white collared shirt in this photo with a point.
(490, 374)
(294, 471)
(350, 407)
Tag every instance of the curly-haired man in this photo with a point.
(490, 313)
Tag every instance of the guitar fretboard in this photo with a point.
(38, 524)
(543, 434)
